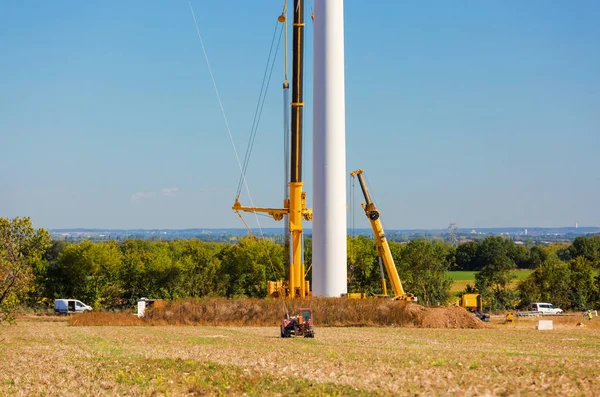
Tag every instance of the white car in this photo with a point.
(545, 308)
(67, 306)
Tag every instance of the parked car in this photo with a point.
(69, 306)
(545, 308)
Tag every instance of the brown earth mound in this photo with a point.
(332, 312)
(441, 317)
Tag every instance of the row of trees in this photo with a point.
(563, 274)
(566, 284)
(474, 255)
(114, 274)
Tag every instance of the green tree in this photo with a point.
(246, 267)
(200, 267)
(466, 256)
(165, 271)
(157, 269)
(518, 254)
(363, 265)
(496, 275)
(549, 282)
(581, 284)
(586, 247)
(492, 249)
(537, 256)
(44, 282)
(89, 271)
(41, 291)
(20, 247)
(422, 268)
(137, 256)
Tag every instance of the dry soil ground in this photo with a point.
(52, 358)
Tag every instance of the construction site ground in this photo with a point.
(47, 356)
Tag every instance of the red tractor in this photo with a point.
(301, 325)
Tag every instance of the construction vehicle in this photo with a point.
(510, 318)
(294, 209)
(472, 302)
(300, 325)
(383, 248)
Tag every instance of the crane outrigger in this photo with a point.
(294, 205)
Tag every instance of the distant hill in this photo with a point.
(399, 234)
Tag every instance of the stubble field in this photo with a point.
(42, 357)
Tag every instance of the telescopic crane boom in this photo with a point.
(383, 247)
(294, 205)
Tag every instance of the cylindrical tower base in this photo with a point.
(329, 275)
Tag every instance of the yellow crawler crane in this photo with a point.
(383, 248)
(296, 286)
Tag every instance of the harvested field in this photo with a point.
(460, 279)
(328, 312)
(55, 359)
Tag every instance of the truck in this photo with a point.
(70, 306)
(300, 325)
(383, 248)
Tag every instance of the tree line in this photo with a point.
(35, 270)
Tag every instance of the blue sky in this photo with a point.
(486, 114)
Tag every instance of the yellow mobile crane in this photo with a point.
(296, 286)
(383, 248)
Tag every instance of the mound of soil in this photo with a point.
(440, 317)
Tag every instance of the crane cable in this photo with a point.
(228, 129)
(253, 131)
(260, 103)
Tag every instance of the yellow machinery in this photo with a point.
(296, 286)
(383, 248)
(472, 302)
(510, 318)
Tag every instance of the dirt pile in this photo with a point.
(334, 312)
(440, 317)
(328, 312)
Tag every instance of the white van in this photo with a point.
(545, 308)
(68, 306)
